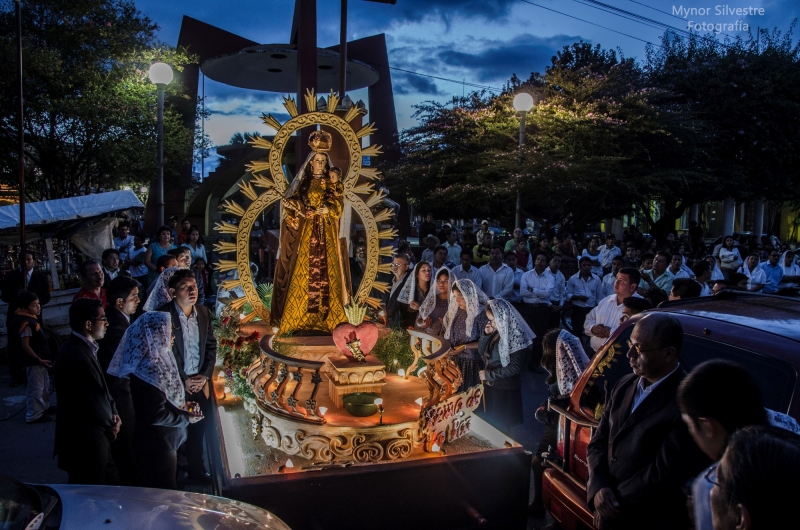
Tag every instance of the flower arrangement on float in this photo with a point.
(236, 350)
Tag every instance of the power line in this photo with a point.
(587, 22)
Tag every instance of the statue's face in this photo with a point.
(318, 163)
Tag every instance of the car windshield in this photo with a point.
(19, 504)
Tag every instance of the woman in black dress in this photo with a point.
(503, 346)
(162, 412)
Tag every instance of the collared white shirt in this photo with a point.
(190, 330)
(608, 284)
(473, 274)
(597, 270)
(396, 283)
(643, 391)
(453, 252)
(28, 278)
(578, 286)
(680, 274)
(111, 274)
(559, 287)
(608, 254)
(536, 288)
(92, 344)
(497, 284)
(608, 312)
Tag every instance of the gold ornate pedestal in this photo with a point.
(346, 377)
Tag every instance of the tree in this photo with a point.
(90, 110)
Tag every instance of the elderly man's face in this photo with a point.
(94, 276)
(399, 266)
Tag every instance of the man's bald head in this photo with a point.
(661, 330)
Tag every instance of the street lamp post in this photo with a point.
(161, 75)
(523, 102)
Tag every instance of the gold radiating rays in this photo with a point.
(267, 175)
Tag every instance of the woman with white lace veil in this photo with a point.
(565, 360)
(716, 272)
(463, 323)
(159, 295)
(417, 287)
(791, 271)
(144, 355)
(506, 339)
(433, 309)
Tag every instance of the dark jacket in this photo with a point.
(12, 284)
(107, 279)
(208, 343)
(37, 341)
(396, 312)
(119, 387)
(645, 457)
(85, 406)
(160, 427)
(499, 376)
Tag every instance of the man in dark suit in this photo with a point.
(195, 351)
(642, 455)
(86, 420)
(397, 312)
(36, 283)
(111, 268)
(123, 301)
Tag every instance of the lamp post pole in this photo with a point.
(160, 136)
(20, 142)
(343, 51)
(161, 75)
(523, 102)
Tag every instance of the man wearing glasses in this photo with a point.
(641, 454)
(86, 420)
(397, 312)
(774, 272)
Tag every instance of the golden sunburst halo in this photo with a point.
(276, 185)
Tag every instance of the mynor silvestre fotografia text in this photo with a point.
(719, 10)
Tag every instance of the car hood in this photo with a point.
(119, 507)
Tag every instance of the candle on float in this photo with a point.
(378, 401)
(435, 448)
(418, 401)
(289, 462)
(401, 372)
(323, 410)
(275, 330)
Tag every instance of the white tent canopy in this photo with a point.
(72, 208)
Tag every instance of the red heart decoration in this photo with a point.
(366, 332)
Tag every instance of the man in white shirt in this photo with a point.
(559, 292)
(608, 252)
(510, 259)
(496, 277)
(536, 287)
(124, 241)
(466, 270)
(483, 231)
(611, 277)
(583, 290)
(605, 318)
(702, 275)
(676, 266)
(452, 246)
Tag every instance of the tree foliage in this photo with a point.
(90, 110)
(691, 124)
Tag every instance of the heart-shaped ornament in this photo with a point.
(366, 332)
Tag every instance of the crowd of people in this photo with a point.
(132, 378)
(661, 429)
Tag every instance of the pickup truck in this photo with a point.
(760, 332)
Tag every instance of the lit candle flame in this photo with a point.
(275, 330)
(289, 463)
(323, 410)
(435, 448)
(378, 401)
(418, 401)
(241, 316)
(227, 390)
(401, 372)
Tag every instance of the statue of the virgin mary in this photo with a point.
(311, 283)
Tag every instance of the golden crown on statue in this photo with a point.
(320, 141)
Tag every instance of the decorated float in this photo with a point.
(326, 417)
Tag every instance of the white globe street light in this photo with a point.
(523, 102)
(161, 75)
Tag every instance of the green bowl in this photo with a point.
(361, 404)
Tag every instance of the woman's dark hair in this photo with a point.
(722, 391)
(443, 272)
(161, 229)
(120, 287)
(759, 470)
(107, 252)
(194, 228)
(725, 239)
(83, 310)
(26, 298)
(163, 260)
(179, 275)
(548, 361)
